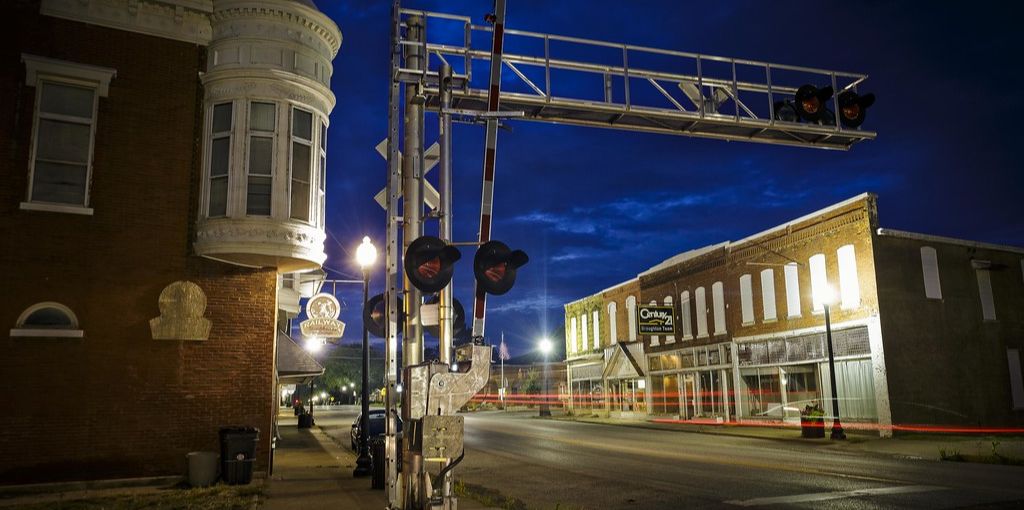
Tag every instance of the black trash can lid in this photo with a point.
(238, 430)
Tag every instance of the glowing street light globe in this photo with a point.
(366, 253)
(825, 295)
(545, 346)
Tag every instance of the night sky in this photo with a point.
(594, 207)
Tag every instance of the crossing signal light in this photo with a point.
(495, 267)
(810, 101)
(853, 107)
(429, 263)
(458, 317)
(375, 313)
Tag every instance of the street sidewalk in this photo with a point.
(931, 446)
(312, 472)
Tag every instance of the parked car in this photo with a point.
(376, 428)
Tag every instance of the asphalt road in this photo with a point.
(552, 463)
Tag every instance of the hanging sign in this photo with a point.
(323, 310)
(655, 320)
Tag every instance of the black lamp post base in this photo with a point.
(837, 432)
(363, 465)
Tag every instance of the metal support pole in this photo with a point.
(391, 268)
(837, 428)
(363, 462)
(445, 307)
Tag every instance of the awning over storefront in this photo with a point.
(622, 361)
(294, 364)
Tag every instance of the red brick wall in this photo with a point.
(117, 403)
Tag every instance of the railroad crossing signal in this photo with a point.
(495, 267)
(430, 158)
(430, 263)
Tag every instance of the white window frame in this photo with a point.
(718, 301)
(25, 331)
(631, 317)
(573, 333)
(768, 304)
(583, 329)
(701, 301)
(41, 70)
(312, 207)
(321, 177)
(597, 329)
(670, 339)
(747, 300)
(792, 273)
(849, 283)
(208, 182)
(250, 133)
(613, 334)
(930, 271)
(819, 281)
(988, 304)
(684, 308)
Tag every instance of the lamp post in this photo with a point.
(826, 298)
(545, 348)
(366, 254)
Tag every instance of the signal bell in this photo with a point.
(430, 263)
(495, 267)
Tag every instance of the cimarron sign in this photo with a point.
(323, 310)
(655, 320)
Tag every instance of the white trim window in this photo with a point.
(63, 132)
(597, 329)
(573, 333)
(221, 123)
(819, 282)
(47, 320)
(849, 285)
(988, 305)
(631, 317)
(792, 290)
(301, 166)
(260, 170)
(670, 339)
(702, 312)
(718, 299)
(930, 269)
(321, 197)
(684, 308)
(746, 300)
(768, 294)
(613, 334)
(583, 328)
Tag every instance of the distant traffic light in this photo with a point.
(494, 267)
(375, 313)
(853, 107)
(810, 102)
(430, 262)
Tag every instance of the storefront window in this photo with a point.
(665, 394)
(760, 392)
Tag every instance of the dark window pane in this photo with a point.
(66, 100)
(222, 118)
(218, 196)
(323, 136)
(323, 173)
(258, 198)
(48, 318)
(302, 124)
(63, 141)
(263, 117)
(59, 183)
(300, 161)
(261, 155)
(300, 201)
(219, 158)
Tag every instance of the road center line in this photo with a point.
(825, 496)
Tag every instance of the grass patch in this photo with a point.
(221, 497)
(487, 497)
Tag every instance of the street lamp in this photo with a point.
(826, 296)
(366, 255)
(545, 348)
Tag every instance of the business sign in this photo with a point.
(323, 310)
(655, 320)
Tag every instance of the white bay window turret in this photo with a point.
(267, 101)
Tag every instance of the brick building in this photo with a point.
(164, 166)
(927, 330)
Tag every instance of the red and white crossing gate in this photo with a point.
(584, 82)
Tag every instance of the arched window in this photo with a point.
(631, 316)
(669, 338)
(684, 306)
(718, 303)
(702, 312)
(613, 334)
(48, 319)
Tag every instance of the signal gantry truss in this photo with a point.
(569, 80)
